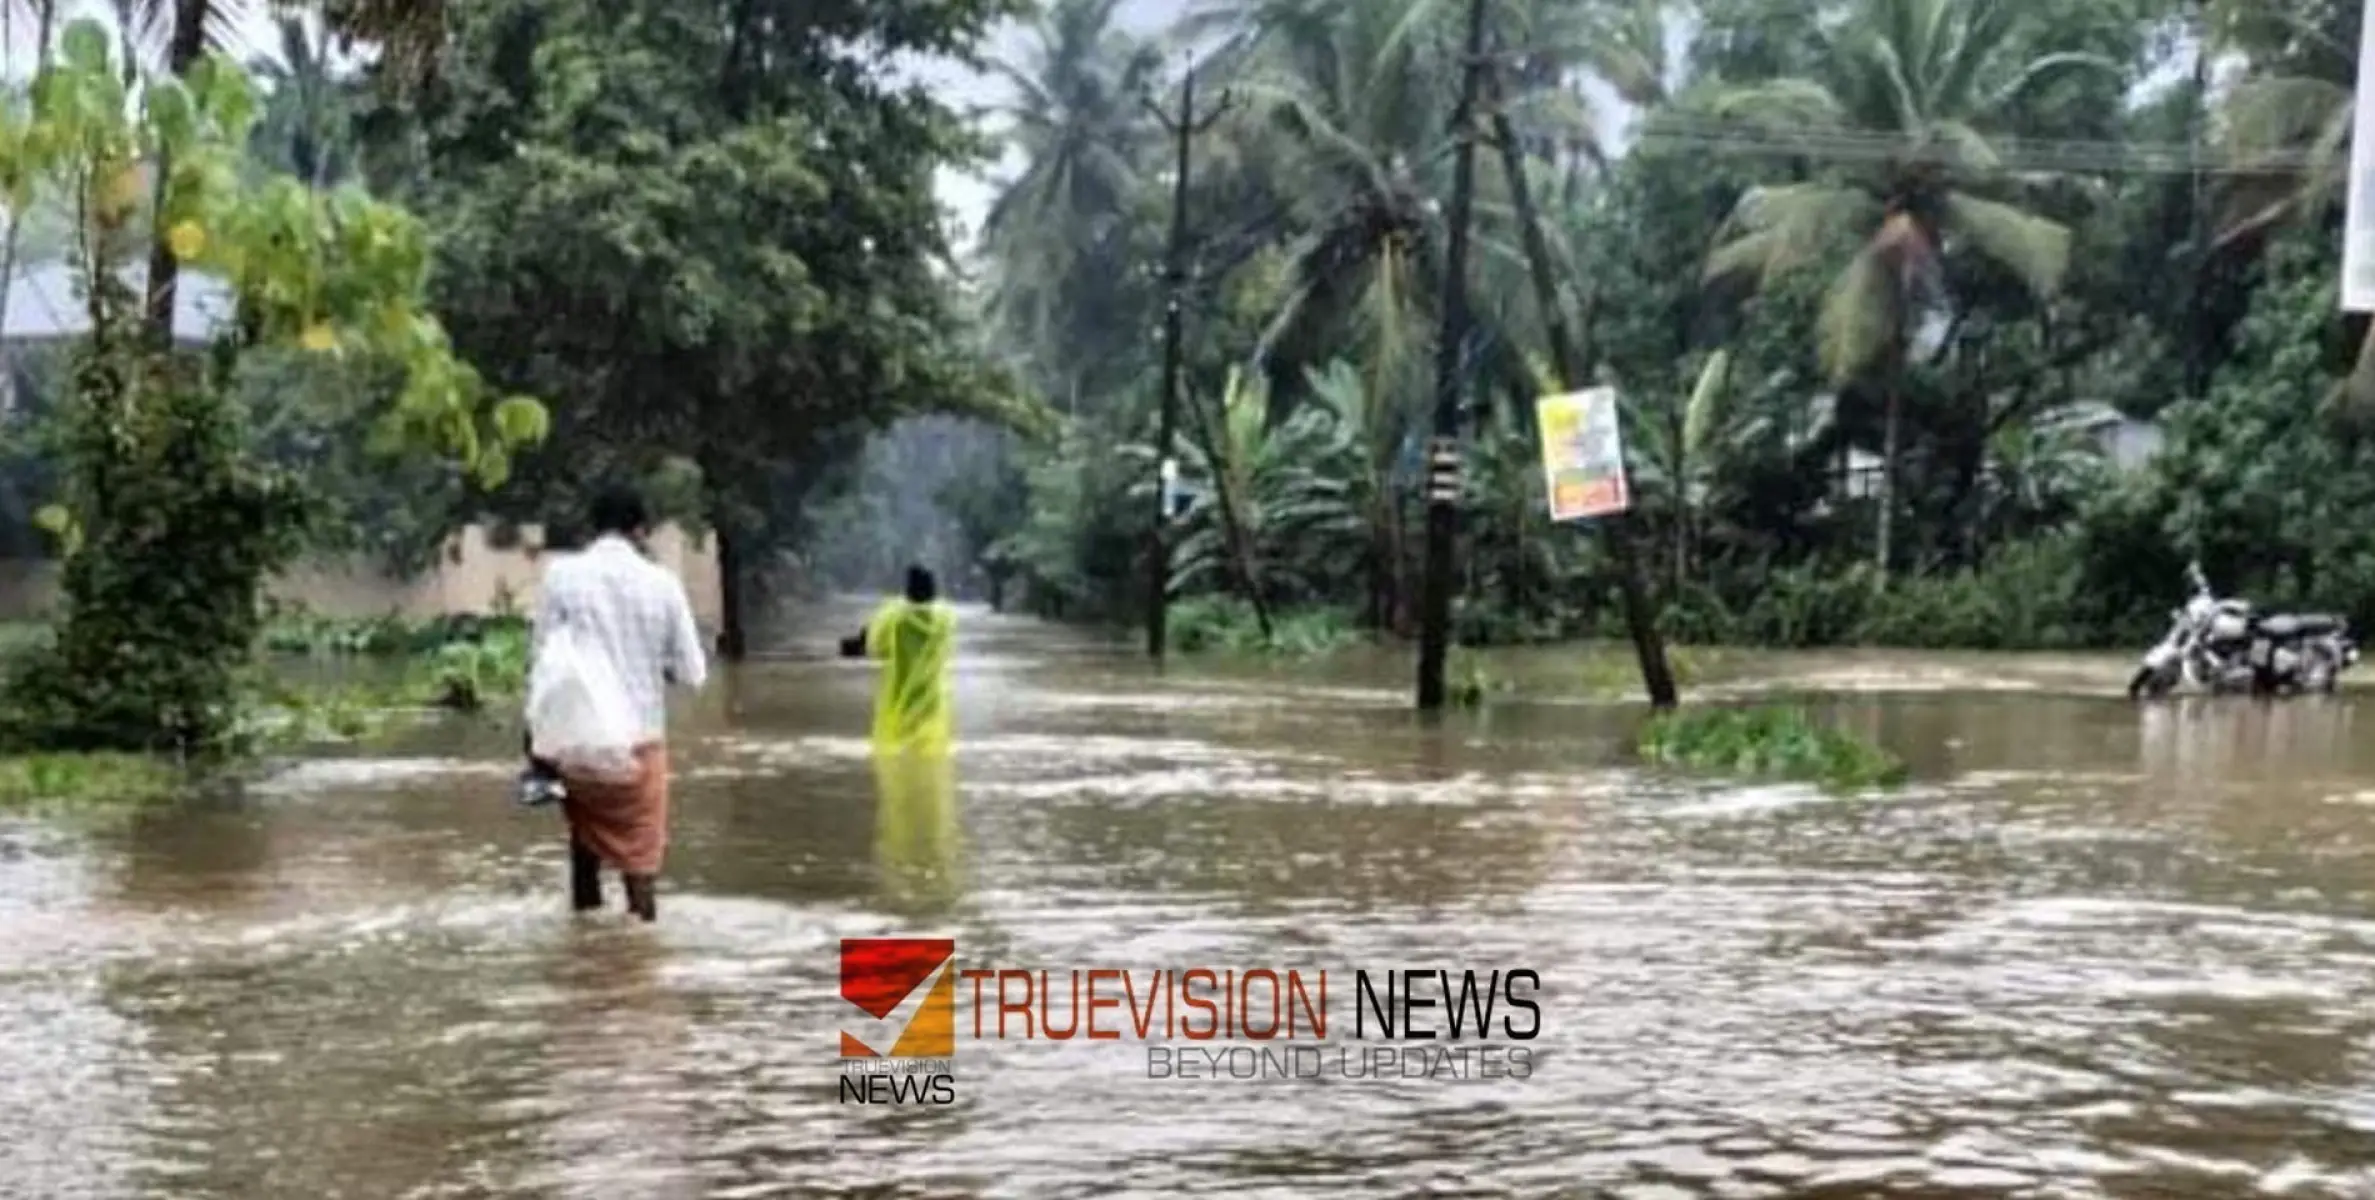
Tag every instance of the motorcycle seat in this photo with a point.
(2300, 625)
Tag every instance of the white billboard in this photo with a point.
(2358, 228)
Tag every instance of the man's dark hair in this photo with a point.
(921, 587)
(618, 509)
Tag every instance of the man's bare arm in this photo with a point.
(688, 663)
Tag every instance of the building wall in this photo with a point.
(472, 576)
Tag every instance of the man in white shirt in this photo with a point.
(635, 613)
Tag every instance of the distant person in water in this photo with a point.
(911, 636)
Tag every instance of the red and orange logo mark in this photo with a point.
(907, 989)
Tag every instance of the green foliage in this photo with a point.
(710, 230)
(466, 675)
(75, 784)
(460, 661)
(1214, 625)
(1768, 742)
(297, 632)
(2033, 596)
(163, 592)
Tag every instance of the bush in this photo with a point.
(1768, 742)
(467, 673)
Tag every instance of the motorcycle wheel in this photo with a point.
(2148, 682)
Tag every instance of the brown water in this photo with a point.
(2095, 950)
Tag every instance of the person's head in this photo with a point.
(619, 509)
(921, 587)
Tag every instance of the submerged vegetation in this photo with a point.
(41, 784)
(1775, 742)
(1217, 624)
(460, 661)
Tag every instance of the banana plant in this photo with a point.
(1378, 427)
(1283, 513)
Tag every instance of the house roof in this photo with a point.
(2088, 415)
(44, 303)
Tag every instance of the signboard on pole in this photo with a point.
(2358, 227)
(1583, 454)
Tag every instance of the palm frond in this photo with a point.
(1860, 315)
(1782, 105)
(2032, 247)
(1972, 149)
(1778, 228)
(2272, 115)
(2043, 73)
(1706, 401)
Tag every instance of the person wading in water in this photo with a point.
(910, 636)
(635, 615)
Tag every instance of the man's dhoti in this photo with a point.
(623, 823)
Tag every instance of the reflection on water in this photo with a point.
(2095, 949)
(617, 1112)
(917, 841)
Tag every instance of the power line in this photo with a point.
(2010, 155)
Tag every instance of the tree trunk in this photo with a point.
(182, 52)
(733, 642)
(1232, 523)
(1888, 479)
(1640, 619)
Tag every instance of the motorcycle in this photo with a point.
(2223, 646)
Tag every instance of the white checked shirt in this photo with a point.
(636, 611)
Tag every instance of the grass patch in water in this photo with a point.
(46, 783)
(1768, 742)
(461, 662)
(486, 665)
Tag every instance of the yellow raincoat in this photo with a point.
(911, 702)
(917, 841)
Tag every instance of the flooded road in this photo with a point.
(2094, 950)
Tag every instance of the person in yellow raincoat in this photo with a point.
(916, 832)
(912, 636)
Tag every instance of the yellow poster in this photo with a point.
(1583, 454)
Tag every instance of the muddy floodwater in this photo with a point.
(2095, 949)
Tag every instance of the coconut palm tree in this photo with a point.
(1356, 109)
(1928, 85)
(2283, 128)
(1077, 117)
(303, 129)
